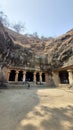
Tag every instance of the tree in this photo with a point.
(4, 19)
(35, 35)
(19, 27)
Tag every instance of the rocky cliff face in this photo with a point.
(21, 50)
(62, 50)
(11, 53)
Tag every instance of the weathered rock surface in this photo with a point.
(21, 50)
(11, 53)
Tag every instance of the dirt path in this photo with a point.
(36, 109)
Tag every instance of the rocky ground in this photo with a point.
(36, 109)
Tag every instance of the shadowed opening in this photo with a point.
(29, 76)
(12, 75)
(43, 77)
(37, 77)
(63, 77)
(20, 76)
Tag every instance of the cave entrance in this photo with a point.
(12, 75)
(43, 77)
(29, 76)
(37, 77)
(20, 76)
(63, 77)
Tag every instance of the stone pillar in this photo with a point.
(8, 74)
(40, 76)
(56, 78)
(70, 76)
(24, 76)
(16, 76)
(46, 77)
(34, 79)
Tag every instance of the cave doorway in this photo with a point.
(63, 77)
(29, 76)
(43, 77)
(37, 77)
(20, 76)
(12, 75)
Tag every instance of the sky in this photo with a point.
(49, 18)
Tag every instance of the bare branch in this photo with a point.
(19, 27)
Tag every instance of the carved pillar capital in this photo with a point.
(70, 70)
(17, 71)
(24, 72)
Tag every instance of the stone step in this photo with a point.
(21, 85)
